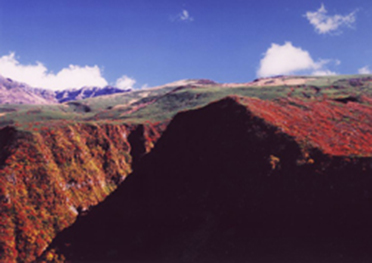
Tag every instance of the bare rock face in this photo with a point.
(224, 184)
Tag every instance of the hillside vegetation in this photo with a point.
(210, 146)
(224, 184)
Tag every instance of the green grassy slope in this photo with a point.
(163, 103)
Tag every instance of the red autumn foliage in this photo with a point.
(53, 172)
(335, 128)
(60, 168)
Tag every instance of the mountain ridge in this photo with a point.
(58, 161)
(223, 184)
(13, 92)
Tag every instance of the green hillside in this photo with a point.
(163, 103)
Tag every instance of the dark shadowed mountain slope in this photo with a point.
(224, 185)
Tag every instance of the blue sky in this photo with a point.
(153, 42)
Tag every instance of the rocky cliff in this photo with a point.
(236, 181)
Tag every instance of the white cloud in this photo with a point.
(324, 23)
(125, 82)
(37, 75)
(324, 72)
(184, 16)
(288, 59)
(145, 86)
(364, 70)
(74, 76)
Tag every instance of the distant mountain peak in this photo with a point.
(14, 92)
(86, 92)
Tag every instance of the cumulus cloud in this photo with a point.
(125, 82)
(37, 74)
(325, 24)
(364, 70)
(73, 76)
(288, 59)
